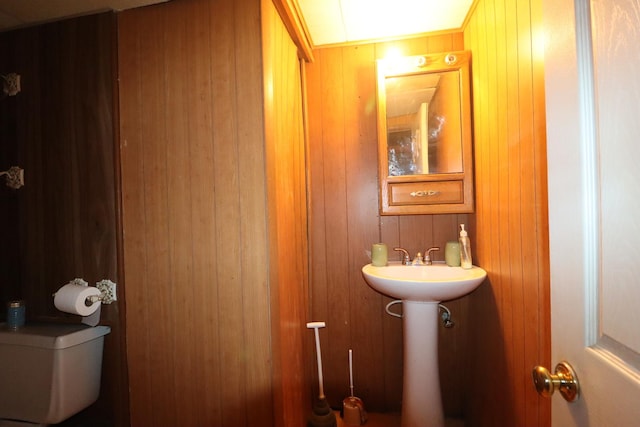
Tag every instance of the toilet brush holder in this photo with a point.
(353, 413)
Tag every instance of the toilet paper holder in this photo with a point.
(106, 287)
(107, 292)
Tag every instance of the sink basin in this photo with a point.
(430, 283)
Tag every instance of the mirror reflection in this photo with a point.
(423, 123)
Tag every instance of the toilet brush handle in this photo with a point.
(316, 325)
(320, 381)
(351, 371)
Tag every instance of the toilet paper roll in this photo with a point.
(93, 319)
(71, 299)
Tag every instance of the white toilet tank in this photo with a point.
(49, 372)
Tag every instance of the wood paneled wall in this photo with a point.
(344, 223)
(63, 223)
(287, 201)
(511, 329)
(501, 329)
(214, 215)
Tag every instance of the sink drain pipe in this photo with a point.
(445, 317)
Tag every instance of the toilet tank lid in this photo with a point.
(51, 335)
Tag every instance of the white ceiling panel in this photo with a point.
(347, 21)
(324, 20)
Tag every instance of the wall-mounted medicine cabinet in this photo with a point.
(424, 134)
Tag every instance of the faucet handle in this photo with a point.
(406, 258)
(427, 255)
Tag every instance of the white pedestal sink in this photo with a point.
(421, 288)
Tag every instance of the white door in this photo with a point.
(592, 81)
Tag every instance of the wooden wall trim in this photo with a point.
(292, 18)
(122, 406)
(286, 190)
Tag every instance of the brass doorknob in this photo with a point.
(564, 380)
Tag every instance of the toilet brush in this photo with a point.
(353, 411)
(321, 415)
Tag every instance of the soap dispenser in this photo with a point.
(465, 249)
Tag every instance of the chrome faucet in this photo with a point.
(418, 260)
(427, 256)
(406, 259)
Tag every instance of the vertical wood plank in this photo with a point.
(336, 243)
(317, 208)
(365, 323)
(253, 227)
(132, 172)
(154, 186)
(182, 290)
(205, 351)
(227, 239)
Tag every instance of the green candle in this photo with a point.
(379, 255)
(452, 254)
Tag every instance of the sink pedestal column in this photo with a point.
(421, 400)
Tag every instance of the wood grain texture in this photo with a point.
(199, 251)
(214, 215)
(344, 223)
(510, 219)
(287, 203)
(508, 230)
(60, 130)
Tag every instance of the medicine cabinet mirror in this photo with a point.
(424, 134)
